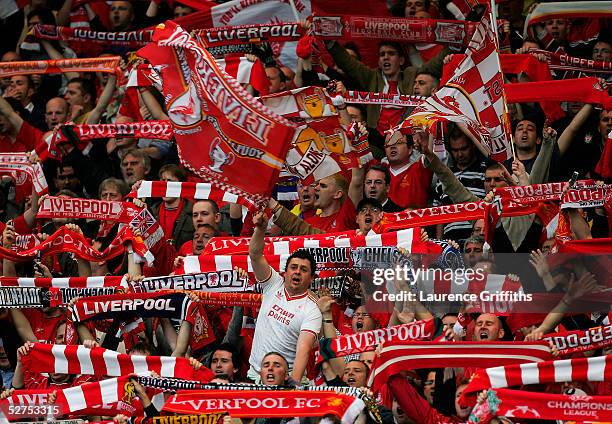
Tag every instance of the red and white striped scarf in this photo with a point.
(55, 66)
(121, 38)
(18, 165)
(396, 357)
(541, 406)
(107, 397)
(67, 282)
(246, 72)
(70, 207)
(186, 190)
(598, 368)
(570, 342)
(77, 359)
(409, 239)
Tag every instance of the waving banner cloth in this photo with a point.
(257, 33)
(400, 356)
(18, 165)
(320, 147)
(66, 282)
(70, 207)
(246, 138)
(570, 342)
(77, 359)
(274, 404)
(40, 297)
(128, 305)
(409, 239)
(64, 240)
(367, 341)
(129, 38)
(413, 30)
(598, 368)
(98, 64)
(473, 98)
(541, 406)
(186, 190)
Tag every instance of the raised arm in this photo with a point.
(260, 265)
(103, 101)
(12, 116)
(568, 135)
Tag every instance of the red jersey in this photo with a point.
(410, 185)
(344, 219)
(167, 218)
(44, 328)
(390, 115)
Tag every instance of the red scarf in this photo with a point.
(566, 62)
(129, 38)
(541, 406)
(598, 368)
(70, 207)
(569, 342)
(77, 359)
(368, 340)
(396, 357)
(64, 240)
(102, 64)
(269, 404)
(18, 165)
(412, 30)
(370, 98)
(159, 130)
(240, 34)
(467, 211)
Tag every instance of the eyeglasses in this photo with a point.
(363, 211)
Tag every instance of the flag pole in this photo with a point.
(493, 16)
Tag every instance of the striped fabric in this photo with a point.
(77, 359)
(400, 356)
(597, 368)
(67, 282)
(186, 190)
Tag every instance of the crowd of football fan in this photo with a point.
(278, 348)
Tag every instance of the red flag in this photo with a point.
(473, 97)
(223, 134)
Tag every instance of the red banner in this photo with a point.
(68, 207)
(101, 64)
(223, 134)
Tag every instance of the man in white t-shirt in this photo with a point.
(289, 319)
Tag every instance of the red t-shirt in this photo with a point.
(167, 218)
(44, 328)
(26, 140)
(342, 220)
(390, 115)
(410, 185)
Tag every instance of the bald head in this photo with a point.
(488, 328)
(56, 112)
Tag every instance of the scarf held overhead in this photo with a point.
(103, 64)
(70, 207)
(78, 359)
(396, 357)
(129, 38)
(274, 404)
